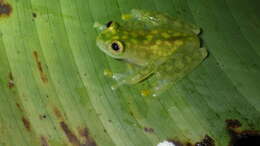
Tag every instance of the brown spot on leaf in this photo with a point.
(39, 66)
(70, 135)
(242, 138)
(11, 81)
(26, 123)
(149, 130)
(19, 107)
(57, 113)
(231, 123)
(44, 141)
(88, 140)
(5, 9)
(206, 141)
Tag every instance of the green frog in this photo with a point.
(154, 44)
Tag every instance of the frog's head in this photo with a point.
(108, 41)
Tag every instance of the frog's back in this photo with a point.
(144, 45)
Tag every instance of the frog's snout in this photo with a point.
(103, 47)
(100, 45)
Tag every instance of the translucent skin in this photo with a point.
(157, 43)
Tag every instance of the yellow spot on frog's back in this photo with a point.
(167, 43)
(165, 35)
(162, 53)
(155, 48)
(115, 37)
(108, 73)
(178, 42)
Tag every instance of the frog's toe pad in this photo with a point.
(197, 31)
(204, 52)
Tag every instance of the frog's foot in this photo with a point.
(120, 78)
(196, 31)
(204, 52)
(161, 87)
(158, 88)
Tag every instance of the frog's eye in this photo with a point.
(117, 47)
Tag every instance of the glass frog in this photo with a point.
(153, 43)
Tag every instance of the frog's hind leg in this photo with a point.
(160, 86)
(151, 19)
(148, 18)
(183, 26)
(164, 83)
(176, 69)
(166, 79)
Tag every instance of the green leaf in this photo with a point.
(53, 91)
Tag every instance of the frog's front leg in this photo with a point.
(135, 77)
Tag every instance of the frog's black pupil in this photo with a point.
(115, 46)
(109, 24)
